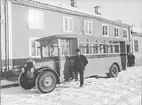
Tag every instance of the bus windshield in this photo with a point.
(51, 49)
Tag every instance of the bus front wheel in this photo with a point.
(25, 83)
(113, 72)
(46, 82)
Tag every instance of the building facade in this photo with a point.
(137, 45)
(28, 20)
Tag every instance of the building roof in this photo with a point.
(70, 9)
(137, 30)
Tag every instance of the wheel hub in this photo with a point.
(114, 70)
(47, 82)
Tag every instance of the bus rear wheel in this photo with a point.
(46, 82)
(113, 72)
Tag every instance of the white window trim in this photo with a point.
(68, 27)
(107, 30)
(30, 48)
(118, 32)
(127, 33)
(91, 27)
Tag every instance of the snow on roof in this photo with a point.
(68, 7)
(137, 30)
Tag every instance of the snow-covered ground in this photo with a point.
(6, 82)
(123, 90)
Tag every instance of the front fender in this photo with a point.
(48, 69)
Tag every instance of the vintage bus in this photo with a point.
(104, 54)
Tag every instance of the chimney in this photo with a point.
(73, 3)
(96, 8)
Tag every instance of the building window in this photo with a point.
(136, 46)
(68, 24)
(116, 31)
(36, 19)
(88, 27)
(34, 50)
(105, 29)
(125, 33)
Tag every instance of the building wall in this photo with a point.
(138, 54)
(53, 23)
(21, 32)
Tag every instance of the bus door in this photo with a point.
(67, 48)
(123, 54)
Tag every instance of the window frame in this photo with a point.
(30, 47)
(118, 32)
(91, 22)
(107, 29)
(136, 49)
(124, 29)
(68, 18)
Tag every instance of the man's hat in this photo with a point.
(78, 50)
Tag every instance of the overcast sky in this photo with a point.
(128, 11)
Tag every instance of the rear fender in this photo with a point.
(48, 69)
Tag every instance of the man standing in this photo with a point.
(79, 65)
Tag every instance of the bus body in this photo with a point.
(105, 55)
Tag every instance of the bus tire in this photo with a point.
(46, 82)
(113, 71)
(24, 83)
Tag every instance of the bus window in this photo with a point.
(110, 48)
(93, 48)
(102, 48)
(50, 50)
(116, 48)
(45, 52)
(64, 47)
(83, 48)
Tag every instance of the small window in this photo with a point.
(83, 48)
(93, 48)
(116, 31)
(88, 27)
(125, 33)
(68, 24)
(36, 19)
(105, 29)
(102, 49)
(110, 48)
(136, 46)
(34, 50)
(116, 48)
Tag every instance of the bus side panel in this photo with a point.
(100, 66)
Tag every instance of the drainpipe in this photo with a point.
(0, 43)
(6, 38)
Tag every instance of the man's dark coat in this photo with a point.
(79, 63)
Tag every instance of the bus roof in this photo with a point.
(81, 38)
(56, 36)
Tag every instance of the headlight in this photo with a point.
(32, 70)
(23, 70)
